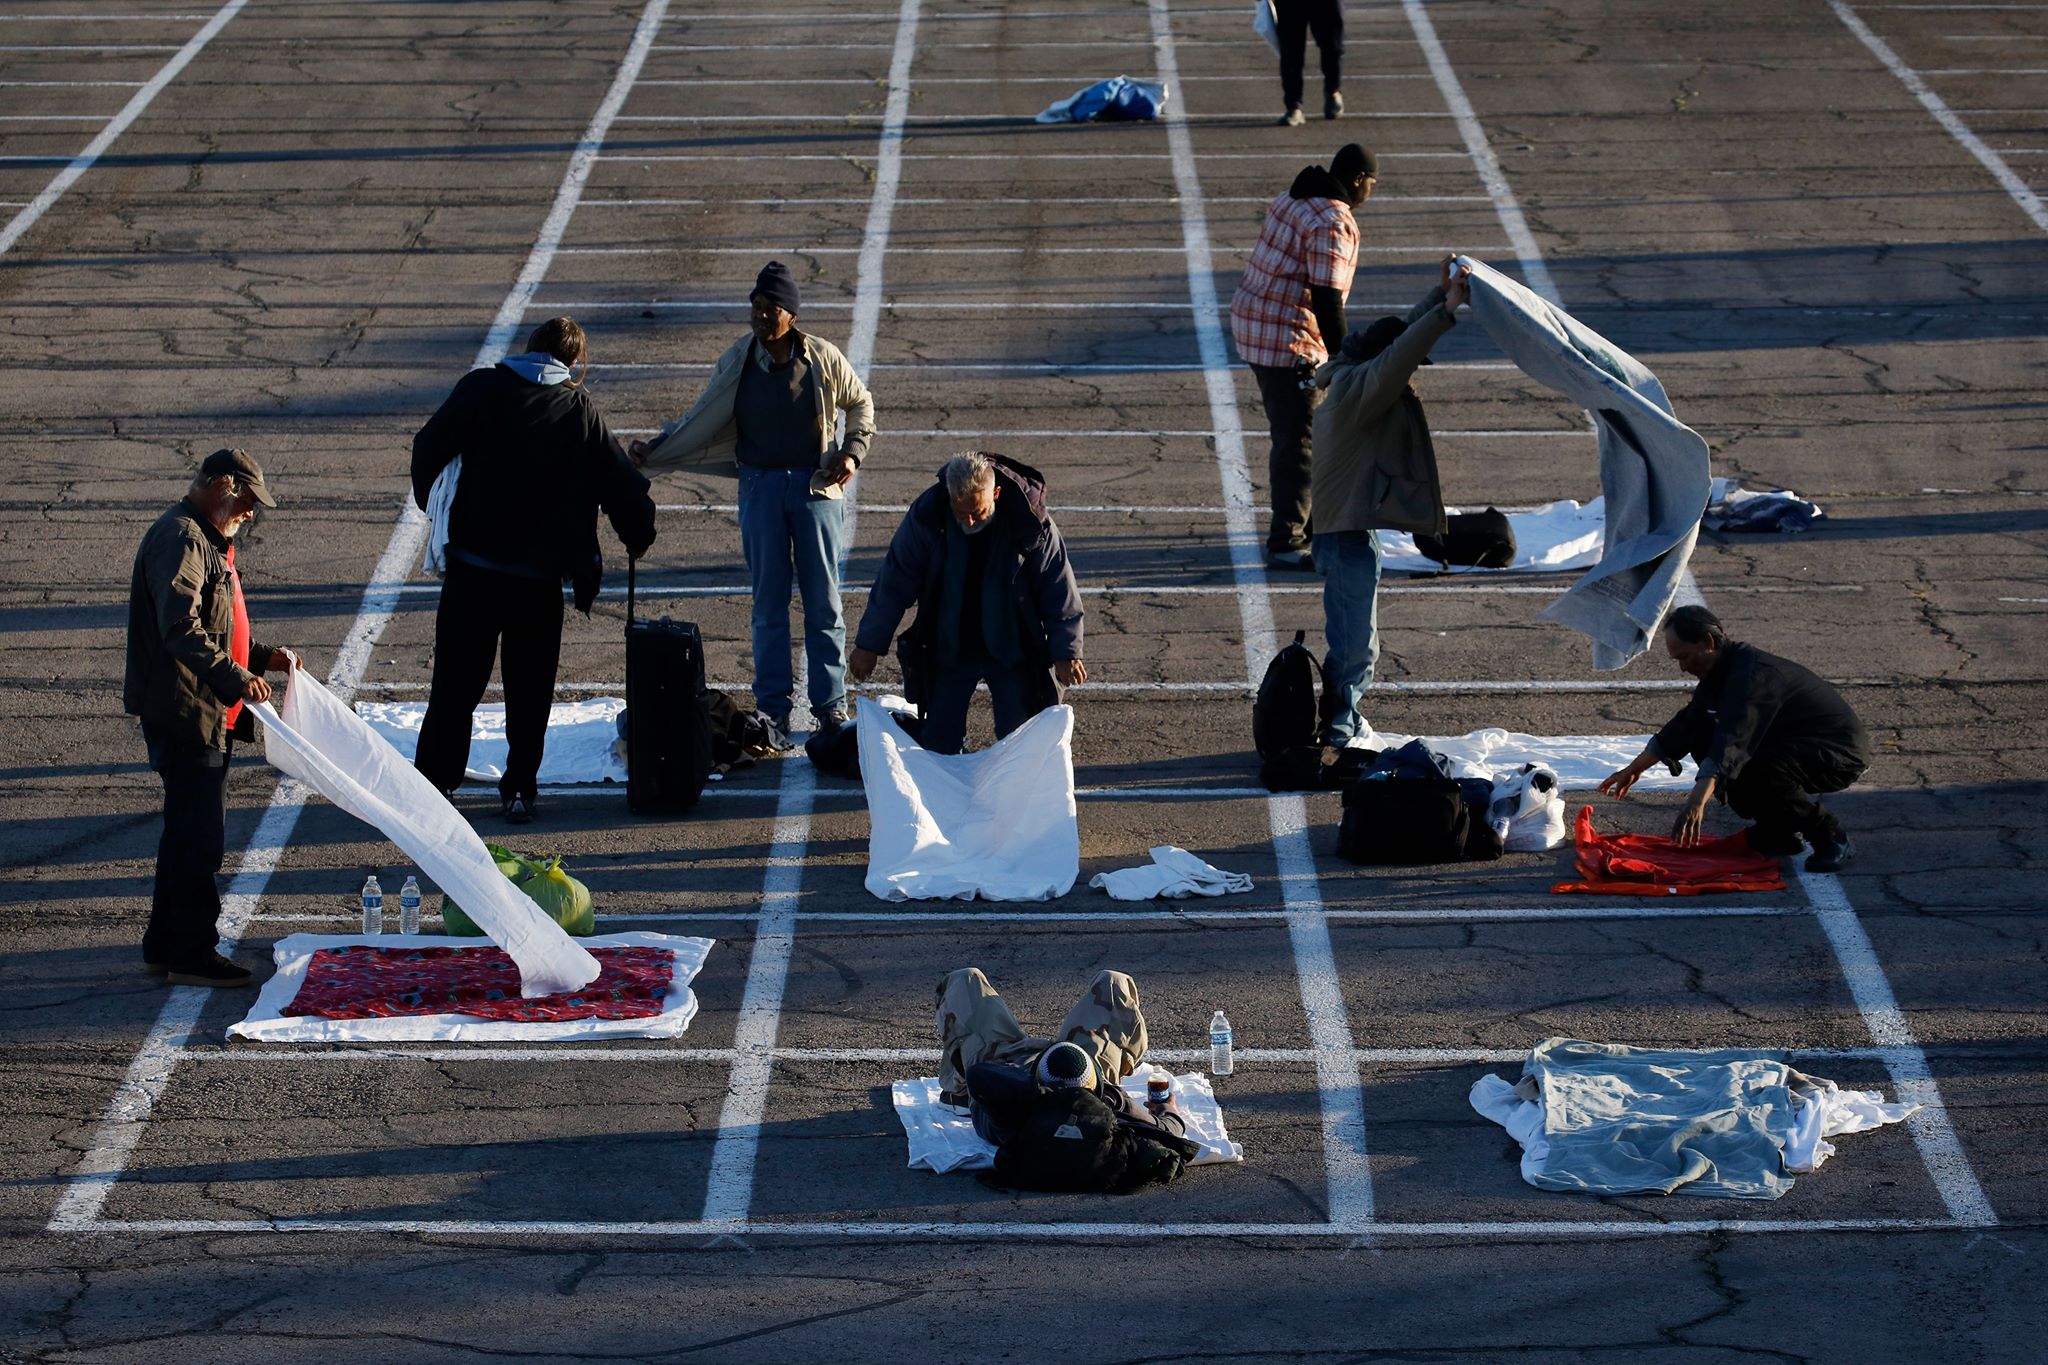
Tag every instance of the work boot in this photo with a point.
(1333, 105)
(1831, 850)
(518, 810)
(211, 970)
(1293, 118)
(1773, 843)
(1292, 559)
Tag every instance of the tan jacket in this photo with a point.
(1374, 465)
(706, 438)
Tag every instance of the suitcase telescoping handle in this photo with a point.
(632, 563)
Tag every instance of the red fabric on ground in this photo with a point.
(365, 982)
(1652, 865)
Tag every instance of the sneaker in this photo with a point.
(1831, 852)
(957, 1101)
(1291, 559)
(836, 718)
(1293, 118)
(518, 810)
(213, 970)
(1773, 843)
(1333, 105)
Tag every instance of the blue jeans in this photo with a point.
(792, 539)
(1349, 562)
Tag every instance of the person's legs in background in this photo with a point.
(1289, 413)
(185, 900)
(1349, 562)
(1326, 22)
(764, 543)
(1291, 19)
(817, 530)
(465, 646)
(532, 649)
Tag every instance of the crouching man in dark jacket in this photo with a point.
(1055, 1109)
(981, 559)
(192, 667)
(1770, 738)
(538, 464)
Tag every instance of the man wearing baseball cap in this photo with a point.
(192, 667)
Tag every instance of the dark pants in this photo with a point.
(1297, 20)
(1777, 788)
(1289, 414)
(1018, 694)
(185, 902)
(479, 608)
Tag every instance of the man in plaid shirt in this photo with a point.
(1288, 315)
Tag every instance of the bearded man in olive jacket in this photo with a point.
(193, 667)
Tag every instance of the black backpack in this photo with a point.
(1072, 1142)
(1285, 715)
(1482, 540)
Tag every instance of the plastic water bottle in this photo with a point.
(1219, 1045)
(409, 906)
(373, 908)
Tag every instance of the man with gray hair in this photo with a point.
(979, 557)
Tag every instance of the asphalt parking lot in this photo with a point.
(291, 226)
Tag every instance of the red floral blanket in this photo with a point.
(1652, 865)
(365, 982)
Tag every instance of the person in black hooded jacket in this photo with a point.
(538, 462)
(983, 562)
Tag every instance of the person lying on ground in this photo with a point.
(769, 412)
(980, 557)
(538, 464)
(192, 666)
(1375, 468)
(1769, 736)
(1055, 1109)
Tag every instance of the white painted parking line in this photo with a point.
(1903, 1057)
(102, 18)
(998, 1231)
(1007, 366)
(78, 165)
(983, 201)
(993, 119)
(2029, 202)
(1347, 1172)
(1403, 686)
(84, 1197)
(1429, 250)
(1465, 584)
(1987, 71)
(89, 47)
(72, 85)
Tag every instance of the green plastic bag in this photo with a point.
(566, 900)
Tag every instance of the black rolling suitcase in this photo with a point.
(668, 744)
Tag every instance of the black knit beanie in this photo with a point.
(776, 285)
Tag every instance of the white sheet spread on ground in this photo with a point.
(999, 824)
(942, 1140)
(583, 738)
(1580, 761)
(268, 1024)
(1553, 538)
(1173, 874)
(1611, 1119)
(322, 743)
(1653, 468)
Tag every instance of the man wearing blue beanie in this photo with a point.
(768, 415)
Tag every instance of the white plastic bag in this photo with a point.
(1266, 23)
(1000, 824)
(325, 745)
(1529, 804)
(440, 502)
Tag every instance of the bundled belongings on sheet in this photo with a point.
(1653, 468)
(1118, 99)
(1603, 1118)
(1731, 507)
(1473, 540)
(1553, 538)
(318, 740)
(540, 875)
(1408, 808)
(1000, 824)
(331, 988)
(1173, 873)
(835, 749)
(1655, 865)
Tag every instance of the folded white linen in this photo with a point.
(1173, 873)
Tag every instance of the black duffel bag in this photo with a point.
(1390, 820)
(1479, 540)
